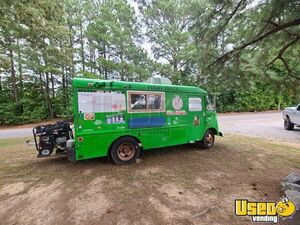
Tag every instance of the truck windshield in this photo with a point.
(210, 104)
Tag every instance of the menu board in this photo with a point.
(101, 102)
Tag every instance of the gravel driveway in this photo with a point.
(265, 125)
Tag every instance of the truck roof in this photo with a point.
(124, 85)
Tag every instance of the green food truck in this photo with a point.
(120, 119)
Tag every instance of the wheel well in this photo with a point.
(214, 130)
(109, 149)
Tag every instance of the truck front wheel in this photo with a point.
(125, 151)
(288, 125)
(208, 139)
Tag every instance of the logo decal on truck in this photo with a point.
(177, 102)
(115, 119)
(89, 116)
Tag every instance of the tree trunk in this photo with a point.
(67, 78)
(72, 58)
(279, 100)
(47, 88)
(43, 91)
(71, 42)
(0, 85)
(174, 61)
(82, 46)
(91, 59)
(48, 99)
(122, 70)
(175, 65)
(64, 86)
(94, 60)
(20, 68)
(13, 73)
(52, 86)
(104, 56)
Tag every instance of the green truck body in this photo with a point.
(154, 115)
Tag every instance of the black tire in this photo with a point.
(288, 125)
(208, 139)
(125, 151)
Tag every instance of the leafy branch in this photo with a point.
(278, 27)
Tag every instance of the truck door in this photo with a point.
(297, 115)
(209, 106)
(210, 112)
(196, 117)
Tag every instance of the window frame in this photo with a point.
(147, 93)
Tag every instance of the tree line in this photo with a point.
(245, 52)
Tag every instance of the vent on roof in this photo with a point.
(158, 80)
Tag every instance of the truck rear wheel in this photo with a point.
(288, 125)
(208, 139)
(125, 151)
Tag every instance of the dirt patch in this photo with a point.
(166, 212)
(12, 189)
(33, 207)
(149, 171)
(89, 203)
(182, 196)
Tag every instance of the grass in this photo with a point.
(12, 142)
(284, 155)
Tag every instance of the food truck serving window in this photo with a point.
(146, 101)
(195, 104)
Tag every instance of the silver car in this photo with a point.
(291, 116)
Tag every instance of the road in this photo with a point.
(15, 132)
(266, 125)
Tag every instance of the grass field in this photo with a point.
(178, 185)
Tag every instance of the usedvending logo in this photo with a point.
(265, 211)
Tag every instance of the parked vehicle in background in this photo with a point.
(291, 116)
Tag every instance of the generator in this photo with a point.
(53, 137)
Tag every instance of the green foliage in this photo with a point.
(257, 98)
(11, 113)
(168, 25)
